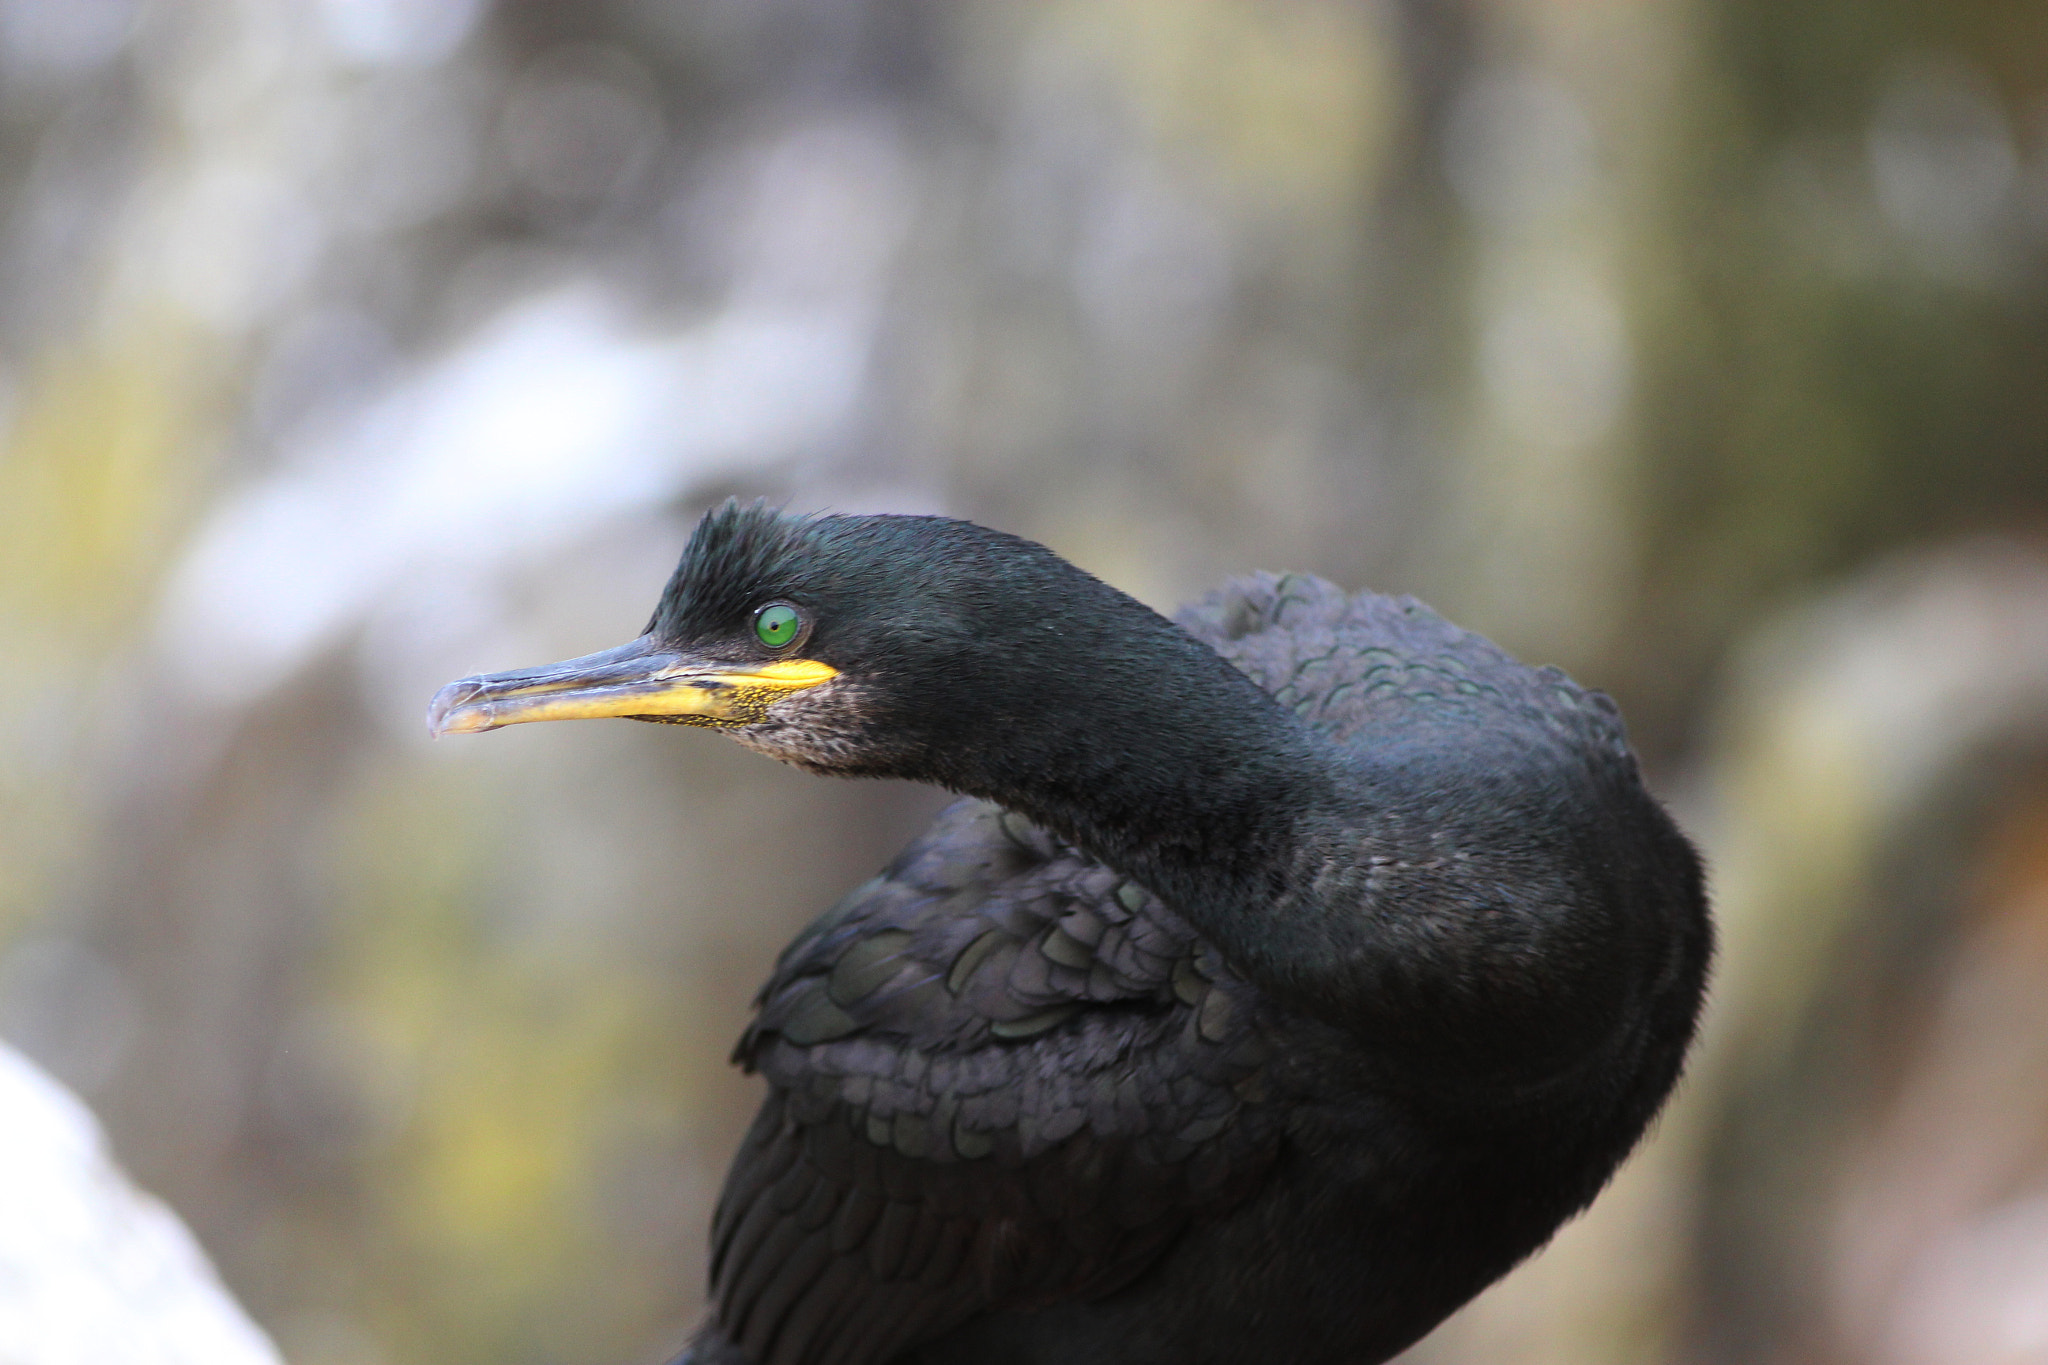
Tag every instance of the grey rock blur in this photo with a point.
(92, 1269)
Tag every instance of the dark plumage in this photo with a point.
(1287, 975)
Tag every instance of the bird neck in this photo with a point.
(1162, 760)
(1431, 895)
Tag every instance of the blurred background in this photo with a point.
(347, 346)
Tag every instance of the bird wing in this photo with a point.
(1364, 668)
(1000, 1075)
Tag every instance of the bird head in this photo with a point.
(872, 646)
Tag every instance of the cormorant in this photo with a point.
(1287, 974)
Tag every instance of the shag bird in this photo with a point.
(1288, 972)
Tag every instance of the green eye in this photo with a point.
(776, 625)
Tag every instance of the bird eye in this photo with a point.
(776, 624)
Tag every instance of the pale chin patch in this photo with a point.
(822, 729)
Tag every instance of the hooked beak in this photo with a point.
(643, 680)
